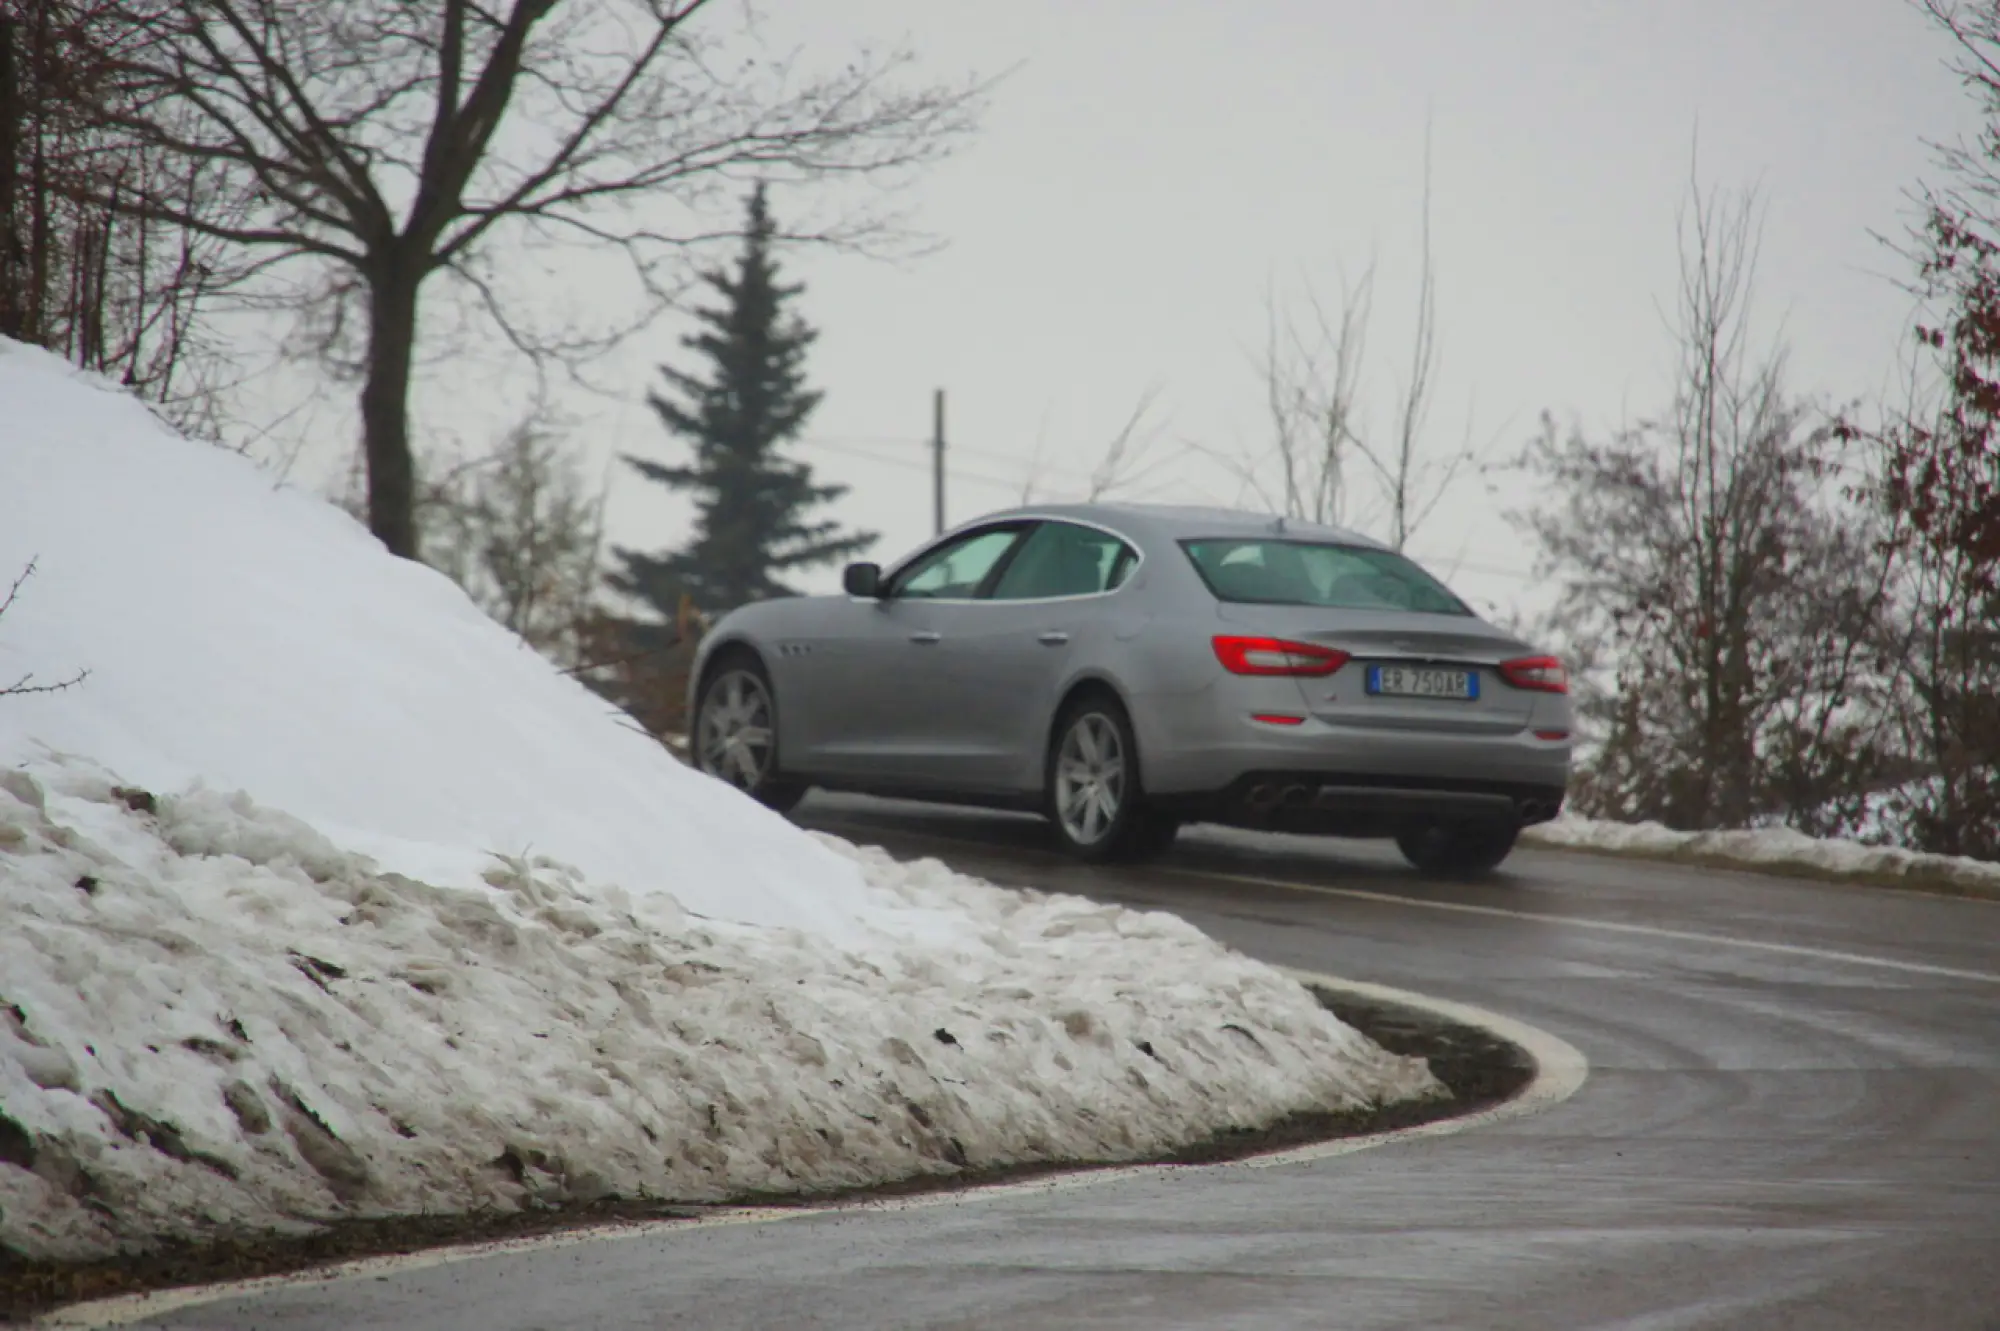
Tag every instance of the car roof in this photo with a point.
(1186, 521)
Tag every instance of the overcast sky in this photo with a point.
(1150, 170)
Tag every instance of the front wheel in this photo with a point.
(736, 733)
(1458, 848)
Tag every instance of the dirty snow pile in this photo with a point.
(1765, 847)
(324, 897)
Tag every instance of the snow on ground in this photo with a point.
(1766, 848)
(470, 941)
(213, 1018)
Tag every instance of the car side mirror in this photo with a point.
(863, 580)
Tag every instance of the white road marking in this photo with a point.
(1560, 1071)
(1540, 917)
(1604, 926)
(1579, 922)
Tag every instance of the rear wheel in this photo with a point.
(1458, 848)
(736, 732)
(1094, 798)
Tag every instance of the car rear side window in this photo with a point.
(1064, 559)
(1262, 571)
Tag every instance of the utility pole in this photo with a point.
(937, 460)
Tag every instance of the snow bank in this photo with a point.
(1767, 848)
(253, 636)
(498, 948)
(213, 1019)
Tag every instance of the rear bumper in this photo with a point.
(1238, 751)
(1361, 805)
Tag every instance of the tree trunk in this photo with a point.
(12, 112)
(385, 406)
(34, 308)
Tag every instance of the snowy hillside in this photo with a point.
(265, 963)
(253, 636)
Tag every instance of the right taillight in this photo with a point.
(1544, 674)
(1276, 656)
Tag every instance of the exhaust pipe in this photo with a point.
(1296, 797)
(1262, 797)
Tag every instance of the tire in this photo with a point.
(735, 729)
(1466, 849)
(1092, 790)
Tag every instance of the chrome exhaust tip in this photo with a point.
(1297, 797)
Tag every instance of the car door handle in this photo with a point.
(927, 637)
(1053, 638)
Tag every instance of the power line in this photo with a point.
(912, 463)
(838, 442)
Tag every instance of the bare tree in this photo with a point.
(389, 143)
(1128, 459)
(523, 534)
(1413, 480)
(118, 295)
(1329, 457)
(1311, 371)
(518, 528)
(1711, 558)
(26, 683)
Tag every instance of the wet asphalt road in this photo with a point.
(1792, 1119)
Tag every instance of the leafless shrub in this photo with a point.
(643, 666)
(1712, 562)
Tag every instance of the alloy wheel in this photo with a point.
(1091, 778)
(734, 740)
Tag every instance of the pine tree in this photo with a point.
(754, 505)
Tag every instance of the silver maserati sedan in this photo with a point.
(1126, 669)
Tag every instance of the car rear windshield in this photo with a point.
(1261, 571)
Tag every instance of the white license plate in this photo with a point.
(1419, 682)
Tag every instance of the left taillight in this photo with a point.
(1542, 674)
(1276, 656)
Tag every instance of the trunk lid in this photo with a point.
(1398, 639)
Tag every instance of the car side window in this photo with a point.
(957, 570)
(1064, 559)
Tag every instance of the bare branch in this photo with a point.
(1127, 448)
(25, 685)
(14, 591)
